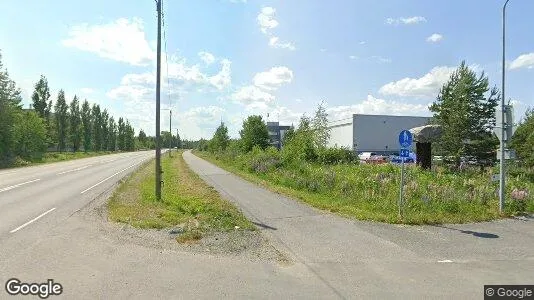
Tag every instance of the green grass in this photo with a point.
(187, 202)
(371, 192)
(51, 157)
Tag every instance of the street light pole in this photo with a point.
(170, 131)
(503, 113)
(158, 86)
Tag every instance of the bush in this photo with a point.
(263, 161)
(335, 155)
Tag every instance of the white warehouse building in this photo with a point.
(372, 133)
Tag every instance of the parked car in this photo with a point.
(372, 158)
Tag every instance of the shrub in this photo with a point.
(334, 155)
(263, 161)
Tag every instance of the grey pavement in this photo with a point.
(329, 257)
(355, 259)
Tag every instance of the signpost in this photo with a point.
(405, 141)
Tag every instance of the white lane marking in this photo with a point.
(445, 261)
(78, 169)
(32, 220)
(109, 178)
(17, 185)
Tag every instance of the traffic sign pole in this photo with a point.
(405, 141)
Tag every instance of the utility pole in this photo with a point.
(170, 132)
(502, 185)
(158, 86)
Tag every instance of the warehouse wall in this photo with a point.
(341, 133)
(380, 133)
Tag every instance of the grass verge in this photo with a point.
(187, 202)
(370, 192)
(52, 157)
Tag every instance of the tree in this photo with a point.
(75, 118)
(10, 100)
(30, 130)
(62, 119)
(254, 133)
(301, 146)
(466, 113)
(523, 139)
(178, 141)
(220, 139)
(104, 118)
(97, 127)
(87, 125)
(290, 133)
(112, 135)
(129, 136)
(142, 139)
(319, 123)
(121, 141)
(166, 138)
(40, 97)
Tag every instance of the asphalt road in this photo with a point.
(35, 199)
(331, 257)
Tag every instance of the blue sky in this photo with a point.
(227, 59)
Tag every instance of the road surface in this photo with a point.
(44, 233)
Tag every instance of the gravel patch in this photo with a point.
(243, 244)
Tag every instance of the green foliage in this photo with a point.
(302, 145)
(75, 119)
(87, 125)
(41, 97)
(220, 139)
(335, 155)
(254, 133)
(142, 139)
(523, 139)
(96, 116)
(30, 130)
(370, 192)
(9, 108)
(202, 145)
(467, 114)
(112, 135)
(321, 132)
(61, 115)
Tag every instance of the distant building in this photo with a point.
(372, 133)
(276, 134)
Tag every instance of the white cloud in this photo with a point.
(380, 59)
(426, 86)
(267, 23)
(434, 38)
(238, 1)
(87, 91)
(274, 78)
(405, 20)
(363, 42)
(274, 42)
(252, 95)
(323, 49)
(123, 40)
(376, 106)
(223, 78)
(523, 61)
(353, 57)
(266, 19)
(206, 57)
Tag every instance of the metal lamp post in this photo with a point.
(503, 113)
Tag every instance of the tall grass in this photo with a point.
(371, 192)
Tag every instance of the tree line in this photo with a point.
(464, 107)
(78, 126)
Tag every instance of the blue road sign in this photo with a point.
(405, 139)
(404, 153)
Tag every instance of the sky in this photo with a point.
(223, 60)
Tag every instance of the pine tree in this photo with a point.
(112, 135)
(120, 135)
(466, 113)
